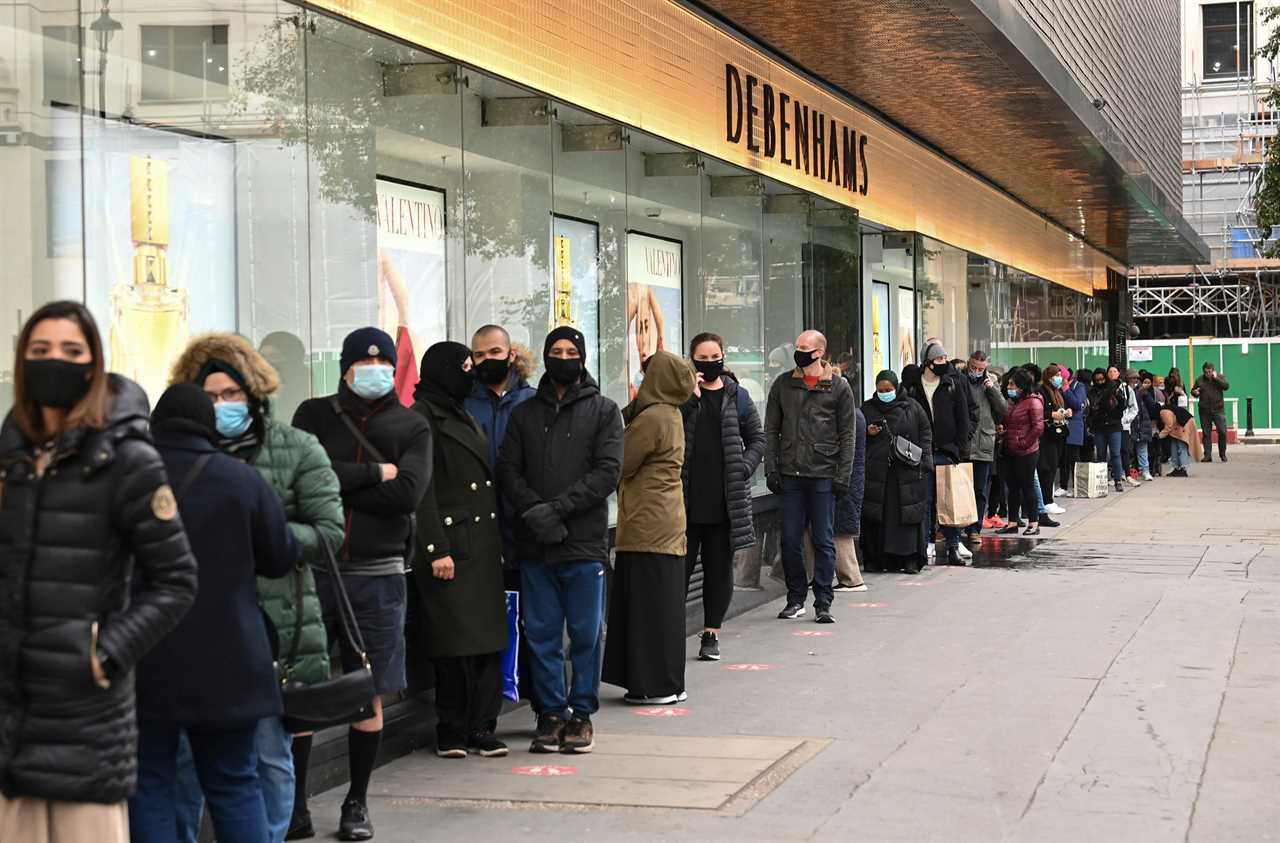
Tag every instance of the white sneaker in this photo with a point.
(1146, 475)
(1059, 492)
(1053, 509)
(965, 553)
(1132, 482)
(931, 551)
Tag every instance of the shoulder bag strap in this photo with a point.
(346, 615)
(355, 431)
(192, 474)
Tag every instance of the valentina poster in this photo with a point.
(411, 273)
(655, 306)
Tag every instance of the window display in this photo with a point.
(655, 284)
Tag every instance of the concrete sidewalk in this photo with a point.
(1119, 682)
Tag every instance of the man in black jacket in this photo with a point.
(381, 453)
(560, 462)
(954, 414)
(809, 430)
(1209, 388)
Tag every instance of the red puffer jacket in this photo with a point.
(1023, 425)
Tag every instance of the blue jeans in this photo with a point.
(952, 534)
(1039, 499)
(275, 770)
(554, 596)
(1181, 454)
(808, 502)
(227, 768)
(1144, 460)
(981, 485)
(1114, 441)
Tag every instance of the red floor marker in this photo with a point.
(812, 633)
(867, 605)
(663, 711)
(545, 770)
(750, 666)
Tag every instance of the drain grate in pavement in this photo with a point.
(725, 774)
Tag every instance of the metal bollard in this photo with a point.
(1248, 416)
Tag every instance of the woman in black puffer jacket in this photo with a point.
(723, 445)
(85, 511)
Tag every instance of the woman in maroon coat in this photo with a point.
(1023, 425)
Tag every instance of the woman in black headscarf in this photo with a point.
(896, 497)
(458, 564)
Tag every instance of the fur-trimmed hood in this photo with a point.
(233, 349)
(525, 364)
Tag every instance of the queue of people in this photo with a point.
(131, 539)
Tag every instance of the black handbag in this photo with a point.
(342, 699)
(903, 451)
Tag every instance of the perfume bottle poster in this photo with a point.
(655, 303)
(575, 281)
(193, 195)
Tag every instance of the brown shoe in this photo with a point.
(551, 729)
(579, 736)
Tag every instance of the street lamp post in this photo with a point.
(104, 28)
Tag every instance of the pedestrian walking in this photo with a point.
(897, 495)
(381, 452)
(810, 431)
(244, 388)
(1023, 429)
(644, 647)
(984, 390)
(1053, 441)
(953, 414)
(1106, 411)
(84, 503)
(1076, 399)
(723, 446)
(238, 532)
(1209, 389)
(559, 463)
(459, 561)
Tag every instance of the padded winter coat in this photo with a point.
(953, 413)
(72, 541)
(991, 408)
(1024, 425)
(743, 441)
(809, 432)
(906, 418)
(567, 452)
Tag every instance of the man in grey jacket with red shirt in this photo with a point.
(809, 430)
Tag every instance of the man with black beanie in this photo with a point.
(381, 452)
(560, 462)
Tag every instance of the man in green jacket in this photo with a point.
(1209, 388)
(242, 384)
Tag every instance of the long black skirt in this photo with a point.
(644, 638)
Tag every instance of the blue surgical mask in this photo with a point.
(373, 381)
(886, 397)
(1056, 380)
(232, 418)
(1012, 393)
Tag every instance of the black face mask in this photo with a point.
(492, 371)
(938, 368)
(803, 358)
(976, 376)
(709, 369)
(564, 370)
(56, 383)
(456, 383)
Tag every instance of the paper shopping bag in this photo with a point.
(957, 506)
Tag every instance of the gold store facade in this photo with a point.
(635, 169)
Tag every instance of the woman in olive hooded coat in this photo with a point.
(644, 645)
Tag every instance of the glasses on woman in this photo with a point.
(231, 394)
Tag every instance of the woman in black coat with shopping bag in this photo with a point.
(897, 495)
(458, 566)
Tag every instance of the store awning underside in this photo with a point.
(973, 79)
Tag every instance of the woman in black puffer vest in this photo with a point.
(723, 445)
(85, 511)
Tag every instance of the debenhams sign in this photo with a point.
(794, 134)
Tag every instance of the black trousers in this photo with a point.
(1020, 478)
(1067, 468)
(711, 542)
(1051, 448)
(1207, 422)
(468, 693)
